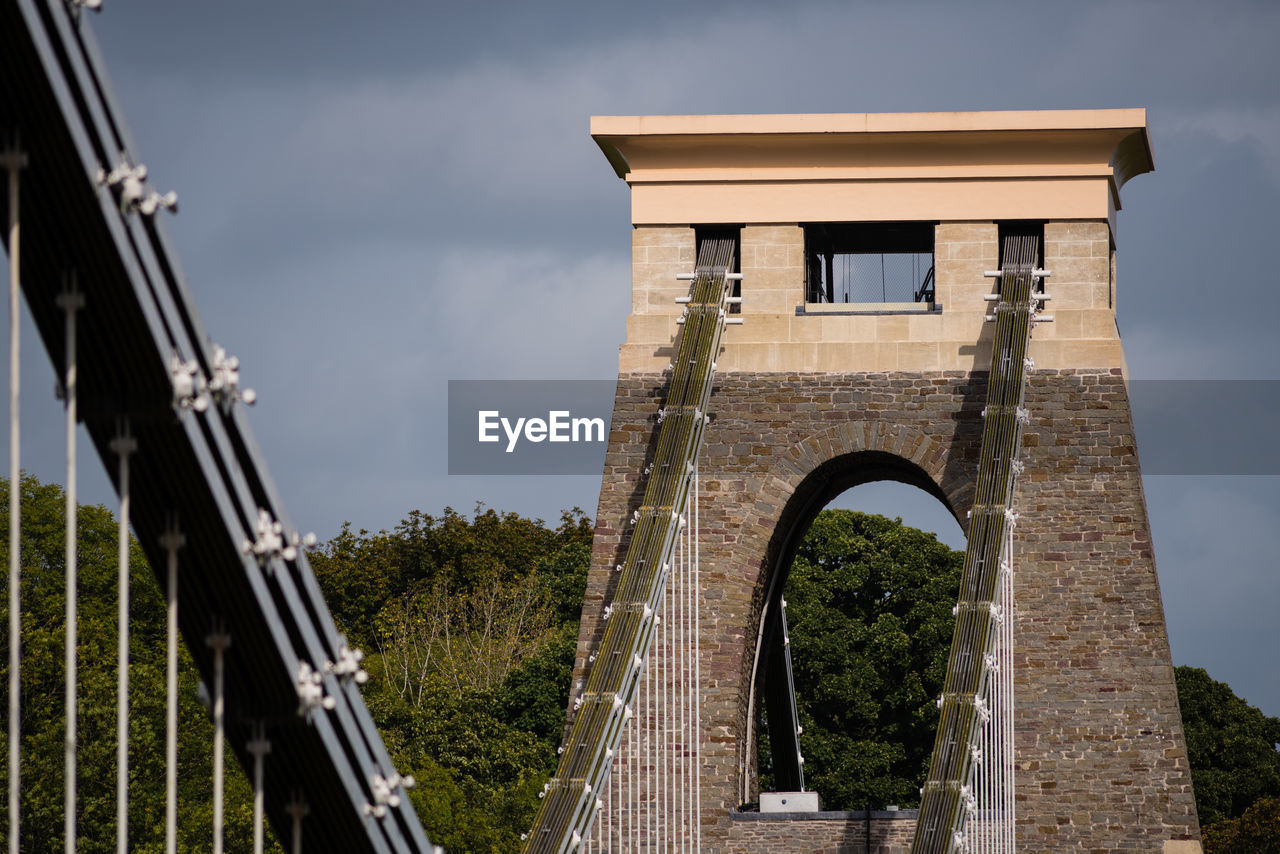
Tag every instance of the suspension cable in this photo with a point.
(14, 160)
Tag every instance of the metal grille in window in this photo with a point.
(869, 262)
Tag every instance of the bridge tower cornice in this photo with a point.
(996, 165)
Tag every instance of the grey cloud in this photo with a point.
(377, 199)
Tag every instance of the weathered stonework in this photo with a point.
(810, 400)
(855, 832)
(776, 338)
(1101, 761)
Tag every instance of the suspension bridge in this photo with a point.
(755, 396)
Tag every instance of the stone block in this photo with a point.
(1089, 271)
(662, 235)
(1059, 230)
(773, 301)
(892, 327)
(926, 327)
(788, 802)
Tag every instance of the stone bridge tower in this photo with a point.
(853, 365)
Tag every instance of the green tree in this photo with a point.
(43, 721)
(1256, 831)
(1231, 746)
(471, 625)
(869, 610)
(361, 573)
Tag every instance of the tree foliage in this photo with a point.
(1256, 831)
(1233, 751)
(869, 611)
(474, 625)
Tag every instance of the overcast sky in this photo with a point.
(377, 198)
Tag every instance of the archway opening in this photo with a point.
(855, 637)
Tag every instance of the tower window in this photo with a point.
(868, 262)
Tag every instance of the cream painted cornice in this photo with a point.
(1012, 164)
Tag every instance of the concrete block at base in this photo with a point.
(788, 802)
(1182, 846)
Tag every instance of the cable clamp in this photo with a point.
(224, 384)
(348, 664)
(272, 543)
(133, 195)
(384, 793)
(309, 684)
(188, 385)
(1036, 273)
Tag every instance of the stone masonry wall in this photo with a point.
(1101, 762)
(775, 338)
(828, 832)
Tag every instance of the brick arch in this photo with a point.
(803, 479)
(826, 463)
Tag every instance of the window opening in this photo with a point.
(869, 262)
